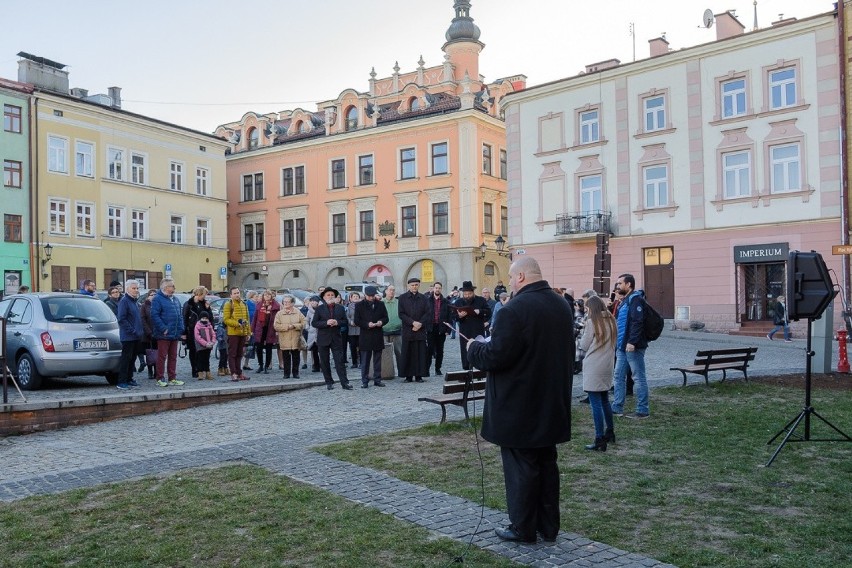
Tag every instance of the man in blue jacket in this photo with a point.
(131, 332)
(630, 347)
(167, 329)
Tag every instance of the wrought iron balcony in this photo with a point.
(590, 222)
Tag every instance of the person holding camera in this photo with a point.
(235, 314)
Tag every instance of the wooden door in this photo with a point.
(659, 280)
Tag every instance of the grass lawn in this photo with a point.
(237, 515)
(687, 486)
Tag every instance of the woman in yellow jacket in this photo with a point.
(235, 314)
(289, 323)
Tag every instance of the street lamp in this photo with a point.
(501, 243)
(48, 253)
(481, 255)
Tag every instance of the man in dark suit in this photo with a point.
(414, 313)
(437, 330)
(527, 407)
(471, 312)
(328, 317)
(370, 316)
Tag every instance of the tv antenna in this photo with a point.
(708, 18)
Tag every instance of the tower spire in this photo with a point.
(462, 27)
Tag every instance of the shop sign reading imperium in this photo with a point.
(751, 254)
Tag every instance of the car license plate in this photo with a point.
(93, 344)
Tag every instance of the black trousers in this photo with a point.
(532, 490)
(291, 362)
(126, 364)
(435, 342)
(463, 347)
(337, 351)
(366, 357)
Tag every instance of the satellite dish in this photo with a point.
(708, 18)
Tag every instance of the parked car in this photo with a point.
(59, 334)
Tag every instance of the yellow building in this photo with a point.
(118, 195)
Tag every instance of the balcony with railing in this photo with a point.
(585, 224)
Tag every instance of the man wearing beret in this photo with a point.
(328, 317)
(414, 313)
(370, 316)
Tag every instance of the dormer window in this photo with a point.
(351, 118)
(413, 103)
(253, 138)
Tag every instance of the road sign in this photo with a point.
(841, 249)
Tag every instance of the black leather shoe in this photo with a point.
(438, 372)
(418, 379)
(407, 379)
(509, 533)
(330, 387)
(365, 385)
(550, 539)
(380, 384)
(584, 400)
(347, 386)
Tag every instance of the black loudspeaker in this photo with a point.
(809, 286)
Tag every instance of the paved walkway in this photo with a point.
(278, 431)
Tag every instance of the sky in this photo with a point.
(202, 63)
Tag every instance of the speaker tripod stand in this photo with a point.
(805, 414)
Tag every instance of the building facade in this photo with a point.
(405, 179)
(14, 195)
(118, 195)
(697, 170)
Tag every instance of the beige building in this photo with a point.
(118, 195)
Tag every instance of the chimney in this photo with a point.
(79, 93)
(782, 20)
(659, 46)
(727, 25)
(43, 73)
(115, 95)
(601, 65)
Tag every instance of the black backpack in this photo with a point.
(654, 323)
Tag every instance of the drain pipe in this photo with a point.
(844, 162)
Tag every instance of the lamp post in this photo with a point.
(482, 249)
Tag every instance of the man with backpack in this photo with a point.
(630, 347)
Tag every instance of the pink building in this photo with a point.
(405, 179)
(697, 170)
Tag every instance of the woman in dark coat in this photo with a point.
(148, 341)
(191, 314)
(263, 330)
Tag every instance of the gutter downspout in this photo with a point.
(35, 252)
(844, 162)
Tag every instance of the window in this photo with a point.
(176, 176)
(413, 103)
(115, 163)
(589, 127)
(736, 168)
(85, 218)
(115, 221)
(293, 180)
(656, 183)
(338, 228)
(138, 224)
(486, 159)
(202, 181)
(137, 168)
(57, 154)
(504, 221)
(733, 98)
(366, 225)
(253, 138)
(58, 211)
(294, 232)
(12, 173)
(655, 113)
(487, 218)
(253, 187)
(176, 229)
(202, 232)
(782, 88)
(84, 159)
(409, 221)
(365, 170)
(786, 168)
(504, 165)
(253, 236)
(591, 194)
(338, 174)
(12, 228)
(440, 218)
(12, 118)
(440, 164)
(407, 163)
(351, 118)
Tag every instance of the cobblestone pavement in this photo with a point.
(278, 431)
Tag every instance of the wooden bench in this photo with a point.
(460, 387)
(719, 360)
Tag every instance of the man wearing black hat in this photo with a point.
(414, 313)
(370, 316)
(328, 317)
(471, 312)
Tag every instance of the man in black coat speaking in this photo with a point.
(471, 312)
(527, 409)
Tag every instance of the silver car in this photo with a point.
(55, 334)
